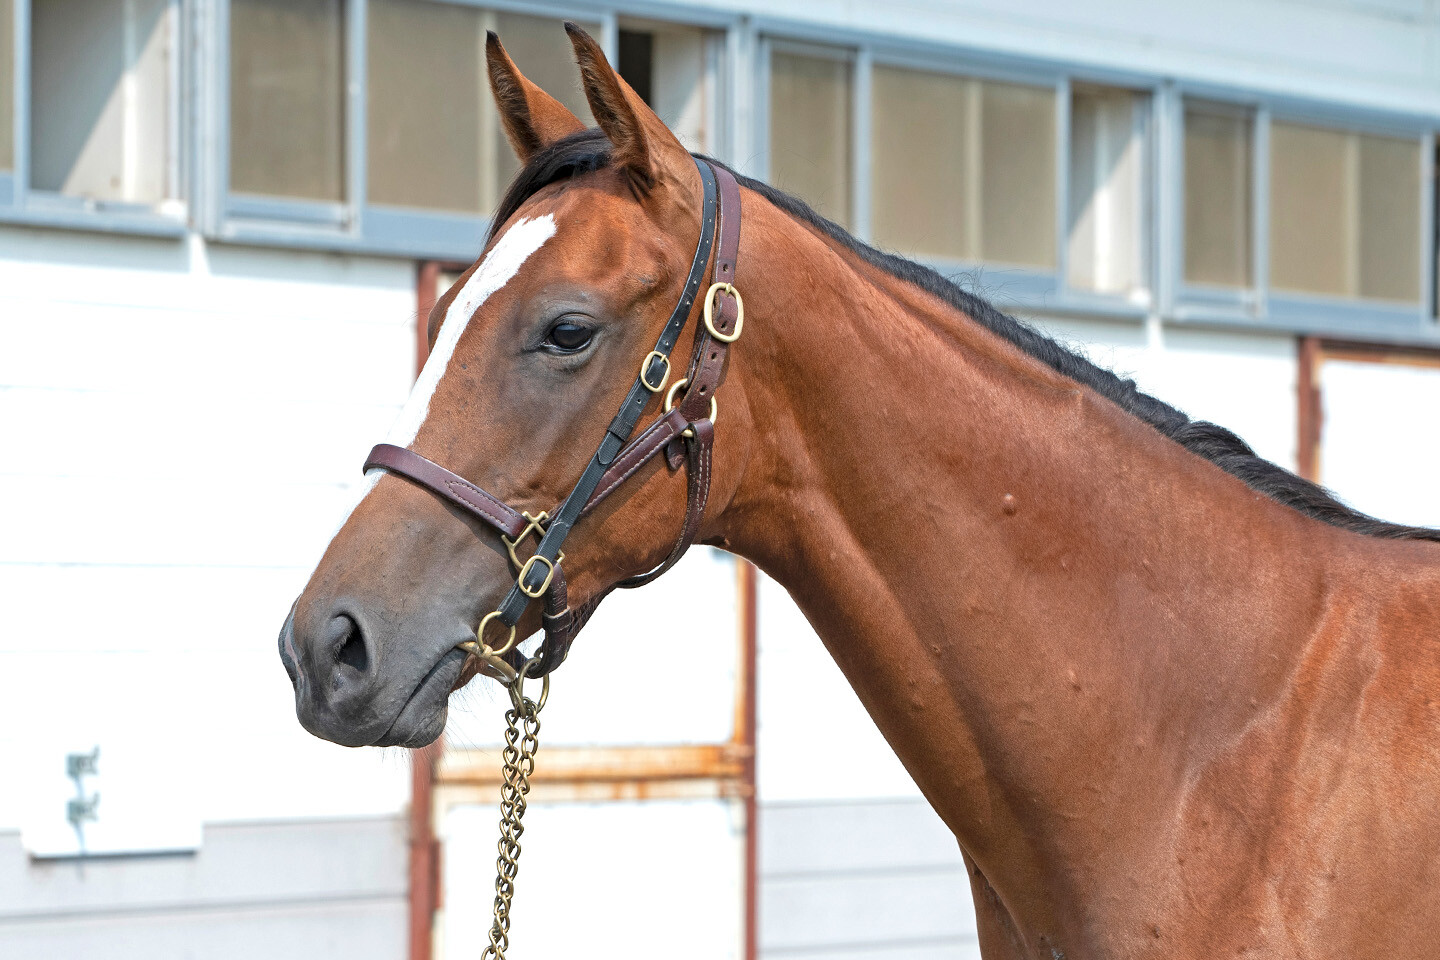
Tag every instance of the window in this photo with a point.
(963, 169)
(1107, 190)
(287, 95)
(7, 85)
(434, 138)
(1219, 164)
(100, 92)
(673, 69)
(810, 131)
(1344, 213)
(369, 124)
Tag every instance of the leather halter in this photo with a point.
(686, 433)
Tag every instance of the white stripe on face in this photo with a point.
(500, 265)
(498, 268)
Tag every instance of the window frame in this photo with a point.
(1021, 286)
(201, 140)
(356, 225)
(1261, 306)
(21, 205)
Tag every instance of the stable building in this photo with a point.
(222, 225)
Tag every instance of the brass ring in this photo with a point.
(645, 366)
(710, 308)
(486, 651)
(517, 688)
(670, 400)
(525, 570)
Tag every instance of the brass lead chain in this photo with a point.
(519, 764)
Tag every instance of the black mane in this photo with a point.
(589, 150)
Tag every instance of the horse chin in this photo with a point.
(422, 719)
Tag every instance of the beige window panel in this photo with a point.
(963, 169)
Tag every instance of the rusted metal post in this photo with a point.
(424, 848)
(745, 730)
(1309, 412)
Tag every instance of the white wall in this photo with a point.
(1374, 52)
(178, 426)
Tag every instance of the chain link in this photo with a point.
(519, 763)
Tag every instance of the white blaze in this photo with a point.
(501, 264)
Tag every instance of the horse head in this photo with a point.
(531, 351)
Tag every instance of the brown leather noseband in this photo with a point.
(685, 432)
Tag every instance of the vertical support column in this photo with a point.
(1310, 414)
(424, 852)
(426, 293)
(424, 847)
(745, 732)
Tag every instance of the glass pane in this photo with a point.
(100, 95)
(1344, 213)
(1389, 185)
(287, 98)
(1017, 184)
(434, 138)
(1107, 147)
(426, 80)
(670, 68)
(810, 132)
(1312, 210)
(923, 182)
(1218, 164)
(963, 169)
(7, 84)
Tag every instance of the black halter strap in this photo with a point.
(684, 433)
(535, 576)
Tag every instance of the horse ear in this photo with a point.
(532, 118)
(641, 142)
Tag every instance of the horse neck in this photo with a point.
(1043, 603)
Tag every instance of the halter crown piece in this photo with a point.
(685, 431)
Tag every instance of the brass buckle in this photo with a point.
(710, 309)
(645, 365)
(525, 570)
(536, 525)
(670, 403)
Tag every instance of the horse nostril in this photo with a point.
(348, 642)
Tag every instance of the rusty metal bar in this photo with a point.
(746, 727)
(1309, 410)
(569, 765)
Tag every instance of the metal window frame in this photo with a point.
(358, 226)
(1262, 307)
(19, 204)
(1019, 285)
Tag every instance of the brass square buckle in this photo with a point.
(733, 335)
(525, 572)
(645, 368)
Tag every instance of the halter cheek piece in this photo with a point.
(686, 432)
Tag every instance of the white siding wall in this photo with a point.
(178, 426)
(1380, 53)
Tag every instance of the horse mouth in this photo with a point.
(422, 718)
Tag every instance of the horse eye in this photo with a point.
(568, 337)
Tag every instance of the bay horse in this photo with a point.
(1173, 700)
